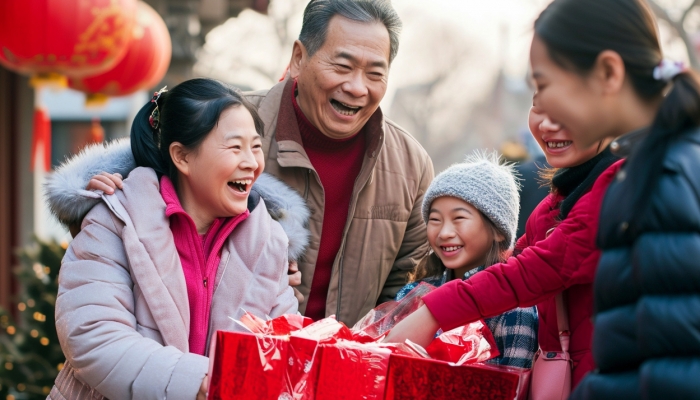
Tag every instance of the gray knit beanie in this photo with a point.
(485, 183)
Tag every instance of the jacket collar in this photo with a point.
(449, 274)
(626, 144)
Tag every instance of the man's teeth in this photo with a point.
(349, 106)
(452, 248)
(244, 182)
(344, 109)
(553, 145)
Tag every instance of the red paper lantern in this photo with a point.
(144, 65)
(70, 37)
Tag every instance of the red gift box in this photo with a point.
(468, 344)
(350, 370)
(248, 366)
(291, 358)
(416, 378)
(302, 370)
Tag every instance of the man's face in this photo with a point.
(341, 85)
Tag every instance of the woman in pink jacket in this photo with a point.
(162, 264)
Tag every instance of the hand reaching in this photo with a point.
(106, 182)
(419, 327)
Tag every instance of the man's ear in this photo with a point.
(179, 154)
(609, 72)
(298, 56)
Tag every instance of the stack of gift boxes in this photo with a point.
(293, 358)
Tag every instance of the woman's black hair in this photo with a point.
(575, 32)
(188, 113)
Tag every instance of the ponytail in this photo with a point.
(679, 112)
(145, 142)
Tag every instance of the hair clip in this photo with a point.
(668, 69)
(154, 118)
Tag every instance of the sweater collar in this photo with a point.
(174, 207)
(449, 274)
(311, 136)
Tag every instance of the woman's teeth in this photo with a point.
(344, 109)
(554, 145)
(241, 185)
(452, 248)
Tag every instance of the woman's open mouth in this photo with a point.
(553, 145)
(344, 109)
(558, 146)
(241, 185)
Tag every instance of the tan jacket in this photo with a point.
(385, 235)
(122, 313)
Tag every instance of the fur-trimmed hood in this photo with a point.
(70, 202)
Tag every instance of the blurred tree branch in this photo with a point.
(679, 26)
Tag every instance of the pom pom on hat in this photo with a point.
(485, 182)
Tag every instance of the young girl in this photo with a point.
(600, 73)
(161, 265)
(557, 254)
(471, 212)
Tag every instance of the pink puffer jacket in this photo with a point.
(122, 311)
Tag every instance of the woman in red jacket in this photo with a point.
(557, 254)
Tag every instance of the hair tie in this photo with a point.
(668, 69)
(154, 118)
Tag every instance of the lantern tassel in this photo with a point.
(95, 100)
(97, 132)
(49, 79)
(41, 141)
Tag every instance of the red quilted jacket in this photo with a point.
(544, 266)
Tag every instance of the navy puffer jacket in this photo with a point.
(646, 339)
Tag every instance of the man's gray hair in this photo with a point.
(318, 14)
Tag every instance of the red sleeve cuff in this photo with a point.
(441, 303)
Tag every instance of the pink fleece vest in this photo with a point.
(200, 256)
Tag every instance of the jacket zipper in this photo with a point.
(306, 188)
(340, 278)
(224, 256)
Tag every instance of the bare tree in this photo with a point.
(252, 50)
(679, 25)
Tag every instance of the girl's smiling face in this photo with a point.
(560, 149)
(567, 114)
(459, 234)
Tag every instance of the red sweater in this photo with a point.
(567, 259)
(200, 256)
(337, 163)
